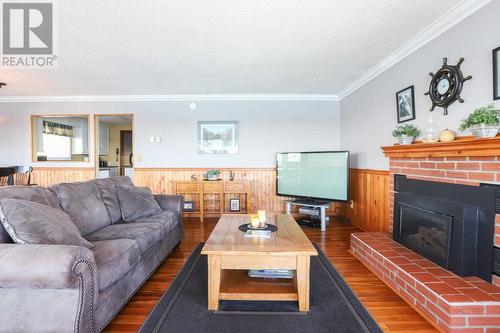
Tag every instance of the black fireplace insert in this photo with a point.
(449, 224)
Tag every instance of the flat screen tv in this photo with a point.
(313, 176)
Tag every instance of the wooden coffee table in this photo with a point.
(231, 255)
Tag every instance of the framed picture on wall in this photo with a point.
(405, 100)
(218, 137)
(496, 73)
(188, 206)
(234, 205)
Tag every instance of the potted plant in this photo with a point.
(406, 133)
(483, 122)
(213, 174)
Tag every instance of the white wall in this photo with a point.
(368, 115)
(266, 127)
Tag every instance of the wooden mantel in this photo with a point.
(462, 146)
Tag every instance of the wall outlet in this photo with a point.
(351, 204)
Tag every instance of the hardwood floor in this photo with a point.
(389, 310)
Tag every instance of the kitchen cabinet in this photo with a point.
(108, 172)
(80, 140)
(128, 171)
(103, 140)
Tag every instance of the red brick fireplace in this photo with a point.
(452, 303)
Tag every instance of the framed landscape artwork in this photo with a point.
(496, 73)
(405, 100)
(218, 137)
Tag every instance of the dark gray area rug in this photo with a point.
(334, 307)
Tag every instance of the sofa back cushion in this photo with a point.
(29, 222)
(107, 186)
(31, 193)
(137, 202)
(84, 205)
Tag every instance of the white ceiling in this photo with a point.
(158, 47)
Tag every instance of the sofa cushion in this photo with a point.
(167, 219)
(145, 234)
(136, 202)
(107, 186)
(83, 203)
(29, 222)
(30, 193)
(114, 259)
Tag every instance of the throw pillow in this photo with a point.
(136, 202)
(29, 222)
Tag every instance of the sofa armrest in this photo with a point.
(173, 203)
(40, 268)
(44, 266)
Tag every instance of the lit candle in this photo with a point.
(254, 222)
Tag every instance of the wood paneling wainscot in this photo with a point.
(262, 180)
(369, 189)
(55, 175)
(369, 192)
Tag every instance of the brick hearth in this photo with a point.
(453, 303)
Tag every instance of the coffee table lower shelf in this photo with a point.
(236, 285)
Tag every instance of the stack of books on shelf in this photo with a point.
(271, 273)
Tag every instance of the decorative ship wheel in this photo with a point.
(446, 85)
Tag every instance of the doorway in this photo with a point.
(114, 145)
(127, 153)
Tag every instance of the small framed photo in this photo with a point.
(234, 205)
(496, 73)
(406, 104)
(188, 206)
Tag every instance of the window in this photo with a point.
(57, 147)
(62, 138)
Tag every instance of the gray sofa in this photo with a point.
(60, 288)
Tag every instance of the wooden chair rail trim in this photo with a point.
(62, 168)
(462, 146)
(371, 171)
(201, 169)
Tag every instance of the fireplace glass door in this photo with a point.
(427, 233)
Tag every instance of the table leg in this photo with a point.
(214, 272)
(303, 263)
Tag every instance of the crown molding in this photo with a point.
(165, 98)
(445, 22)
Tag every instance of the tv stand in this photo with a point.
(314, 204)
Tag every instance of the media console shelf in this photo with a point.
(322, 208)
(212, 198)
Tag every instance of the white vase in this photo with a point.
(406, 140)
(484, 131)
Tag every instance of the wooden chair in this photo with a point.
(22, 175)
(6, 178)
